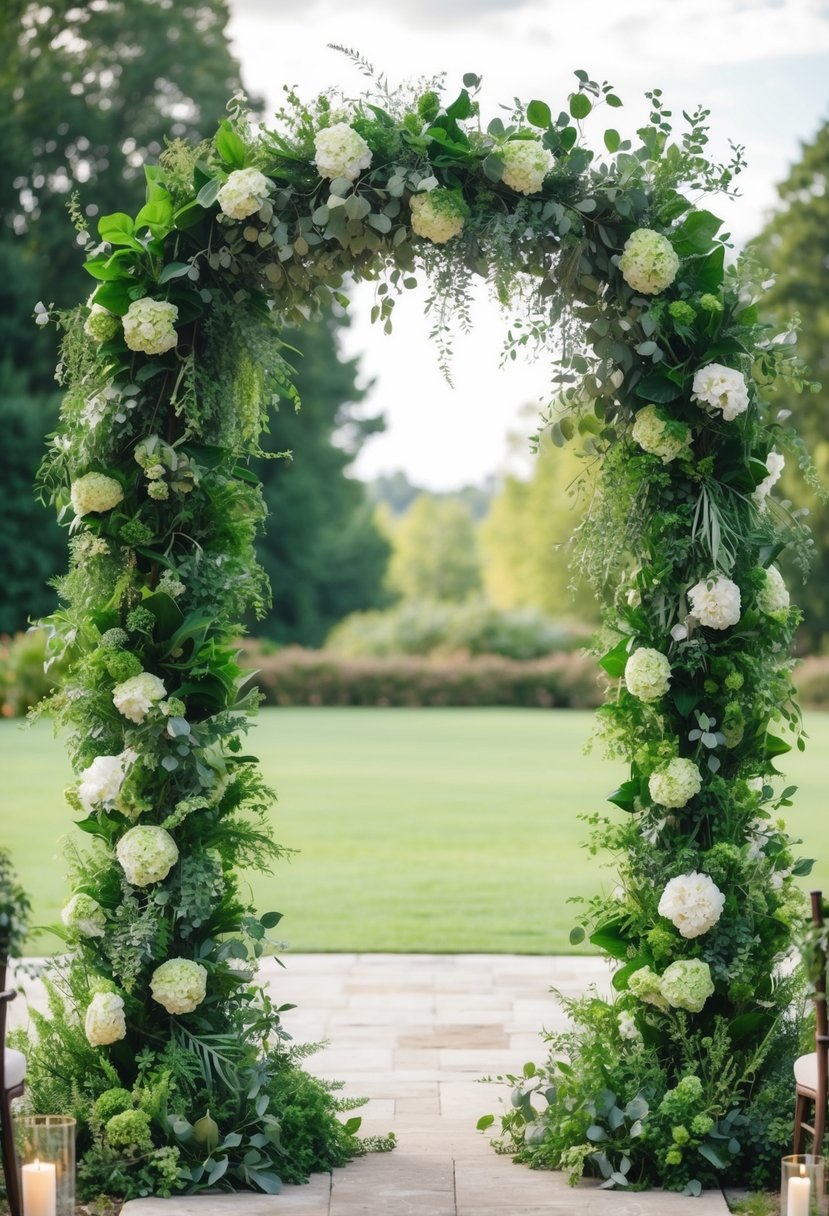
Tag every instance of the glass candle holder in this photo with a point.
(802, 1186)
(46, 1145)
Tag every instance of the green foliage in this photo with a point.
(435, 551)
(15, 908)
(474, 627)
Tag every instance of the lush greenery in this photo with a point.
(450, 846)
(170, 372)
(15, 907)
(795, 247)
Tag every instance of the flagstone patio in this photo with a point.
(414, 1033)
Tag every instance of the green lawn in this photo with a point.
(424, 829)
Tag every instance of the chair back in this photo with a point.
(5, 997)
(821, 1023)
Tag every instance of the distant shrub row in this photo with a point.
(474, 627)
(294, 676)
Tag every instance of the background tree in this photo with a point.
(795, 246)
(435, 551)
(322, 550)
(523, 539)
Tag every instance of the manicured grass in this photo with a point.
(423, 829)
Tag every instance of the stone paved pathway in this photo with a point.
(413, 1033)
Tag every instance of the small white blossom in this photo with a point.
(340, 151)
(647, 674)
(721, 388)
(146, 854)
(693, 903)
(95, 492)
(715, 602)
(628, 1029)
(675, 784)
(775, 463)
(135, 697)
(149, 326)
(243, 194)
(526, 163)
(84, 915)
(773, 596)
(105, 1022)
(679, 633)
(648, 262)
(651, 432)
(179, 985)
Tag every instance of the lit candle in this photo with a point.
(40, 1188)
(799, 1194)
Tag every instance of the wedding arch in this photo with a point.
(662, 377)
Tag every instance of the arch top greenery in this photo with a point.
(182, 1074)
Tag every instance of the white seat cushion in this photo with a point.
(15, 1064)
(805, 1071)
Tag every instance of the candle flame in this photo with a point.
(37, 1163)
(803, 1171)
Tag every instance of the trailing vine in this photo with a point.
(170, 371)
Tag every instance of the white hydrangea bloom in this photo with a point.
(437, 216)
(676, 783)
(693, 903)
(773, 596)
(340, 151)
(526, 163)
(648, 262)
(687, 983)
(652, 435)
(100, 783)
(644, 984)
(105, 1022)
(179, 985)
(243, 193)
(146, 854)
(775, 463)
(95, 492)
(135, 697)
(715, 602)
(647, 674)
(84, 915)
(100, 325)
(149, 326)
(628, 1028)
(721, 388)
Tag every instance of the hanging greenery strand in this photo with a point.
(170, 372)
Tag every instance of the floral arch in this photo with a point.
(663, 379)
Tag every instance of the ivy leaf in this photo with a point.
(577, 935)
(485, 1121)
(612, 139)
(580, 105)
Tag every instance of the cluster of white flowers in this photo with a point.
(146, 854)
(628, 1028)
(693, 903)
(179, 985)
(648, 262)
(100, 325)
(715, 602)
(721, 388)
(95, 492)
(149, 326)
(437, 215)
(243, 193)
(100, 783)
(773, 596)
(775, 463)
(686, 984)
(526, 163)
(84, 915)
(340, 151)
(676, 783)
(105, 1022)
(135, 697)
(651, 433)
(647, 674)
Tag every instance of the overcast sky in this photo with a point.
(761, 66)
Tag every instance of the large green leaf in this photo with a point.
(696, 234)
(230, 147)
